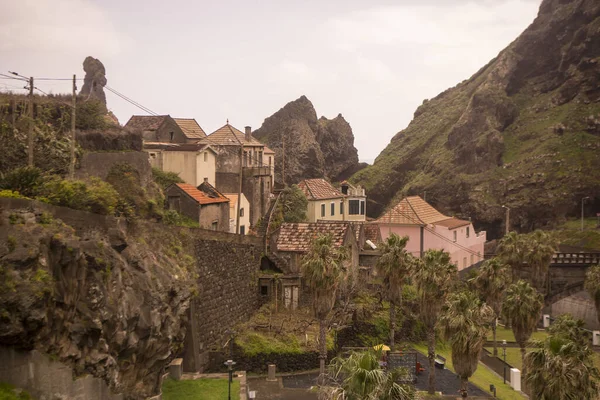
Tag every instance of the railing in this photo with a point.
(576, 258)
(257, 171)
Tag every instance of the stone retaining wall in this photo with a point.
(258, 364)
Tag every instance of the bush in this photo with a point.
(165, 179)
(11, 194)
(96, 196)
(254, 343)
(136, 200)
(25, 180)
(172, 217)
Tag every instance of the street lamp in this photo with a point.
(230, 364)
(507, 227)
(504, 355)
(583, 201)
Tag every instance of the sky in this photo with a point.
(372, 61)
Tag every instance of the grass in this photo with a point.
(8, 392)
(199, 389)
(513, 357)
(506, 334)
(482, 378)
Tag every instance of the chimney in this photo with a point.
(248, 134)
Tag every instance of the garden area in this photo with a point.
(199, 389)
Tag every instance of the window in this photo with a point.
(260, 158)
(269, 161)
(152, 155)
(322, 210)
(264, 290)
(362, 207)
(342, 207)
(332, 209)
(454, 236)
(464, 262)
(468, 231)
(245, 158)
(172, 135)
(242, 212)
(478, 255)
(242, 229)
(353, 207)
(472, 259)
(344, 189)
(214, 225)
(205, 156)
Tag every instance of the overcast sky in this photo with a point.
(372, 61)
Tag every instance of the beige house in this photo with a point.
(244, 213)
(257, 165)
(194, 163)
(325, 202)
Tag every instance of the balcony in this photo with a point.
(257, 171)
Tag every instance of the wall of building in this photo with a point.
(183, 163)
(244, 219)
(182, 203)
(355, 217)
(228, 294)
(99, 164)
(314, 210)
(218, 212)
(163, 133)
(40, 376)
(581, 306)
(206, 167)
(413, 232)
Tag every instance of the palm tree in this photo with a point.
(465, 323)
(393, 266)
(360, 377)
(522, 308)
(592, 285)
(511, 251)
(562, 367)
(323, 269)
(491, 282)
(433, 276)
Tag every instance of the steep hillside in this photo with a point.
(524, 131)
(313, 147)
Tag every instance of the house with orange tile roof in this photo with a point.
(290, 243)
(427, 228)
(203, 204)
(325, 202)
(239, 153)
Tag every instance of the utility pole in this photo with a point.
(507, 227)
(30, 133)
(73, 118)
(583, 201)
(283, 158)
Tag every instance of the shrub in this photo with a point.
(11, 194)
(136, 200)
(96, 196)
(165, 179)
(172, 217)
(25, 181)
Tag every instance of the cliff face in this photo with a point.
(107, 301)
(523, 131)
(313, 147)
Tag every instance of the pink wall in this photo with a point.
(465, 247)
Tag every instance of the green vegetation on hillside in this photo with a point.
(9, 392)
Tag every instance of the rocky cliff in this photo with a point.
(108, 300)
(313, 147)
(523, 131)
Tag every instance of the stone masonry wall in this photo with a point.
(227, 294)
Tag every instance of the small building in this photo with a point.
(244, 213)
(195, 163)
(291, 242)
(203, 204)
(166, 129)
(325, 202)
(239, 153)
(427, 228)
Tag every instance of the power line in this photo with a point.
(58, 79)
(14, 78)
(131, 101)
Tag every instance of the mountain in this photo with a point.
(313, 147)
(524, 131)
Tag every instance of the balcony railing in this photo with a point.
(257, 171)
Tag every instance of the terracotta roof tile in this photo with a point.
(452, 223)
(207, 194)
(191, 129)
(298, 237)
(232, 202)
(412, 211)
(372, 233)
(319, 189)
(145, 122)
(228, 135)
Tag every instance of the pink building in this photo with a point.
(427, 228)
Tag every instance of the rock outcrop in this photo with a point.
(313, 147)
(108, 301)
(95, 79)
(520, 132)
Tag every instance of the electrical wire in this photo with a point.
(4, 76)
(131, 101)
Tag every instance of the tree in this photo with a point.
(592, 285)
(360, 377)
(464, 322)
(491, 283)
(562, 367)
(433, 277)
(293, 204)
(521, 308)
(530, 253)
(323, 269)
(394, 266)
